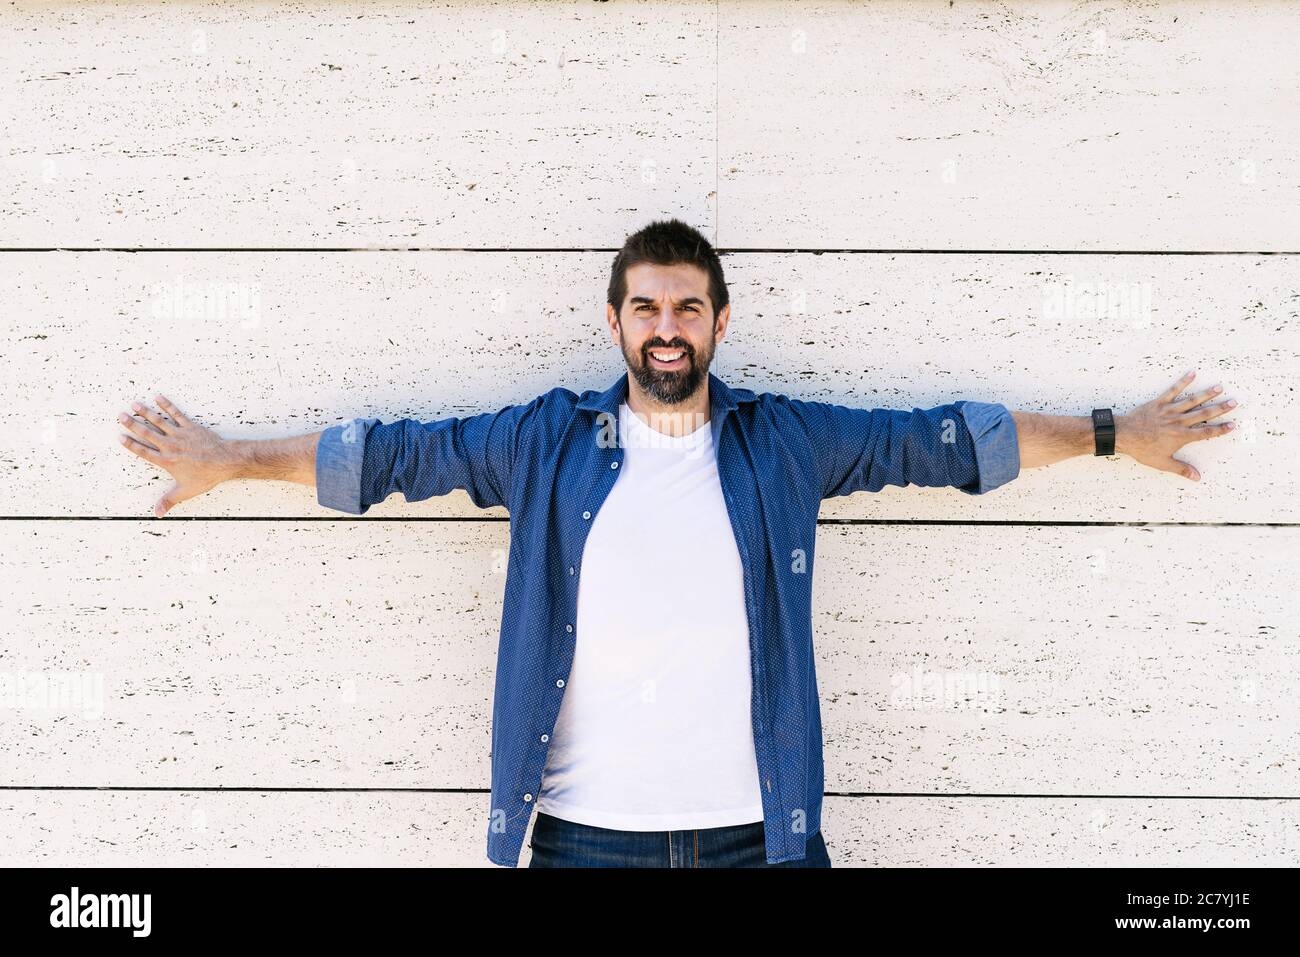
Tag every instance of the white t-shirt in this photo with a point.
(654, 731)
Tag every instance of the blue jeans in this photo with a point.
(560, 843)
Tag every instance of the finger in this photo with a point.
(147, 433)
(146, 452)
(1207, 412)
(1172, 392)
(1182, 405)
(152, 417)
(1185, 469)
(164, 504)
(1199, 433)
(167, 406)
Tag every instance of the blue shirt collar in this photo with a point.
(722, 398)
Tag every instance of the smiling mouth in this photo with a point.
(668, 358)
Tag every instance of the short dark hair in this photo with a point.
(667, 242)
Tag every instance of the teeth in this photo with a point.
(667, 356)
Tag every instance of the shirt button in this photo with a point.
(568, 628)
(570, 569)
(545, 738)
(613, 465)
(586, 515)
(528, 797)
(559, 682)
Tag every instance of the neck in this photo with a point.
(675, 419)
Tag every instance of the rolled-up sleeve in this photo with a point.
(996, 444)
(339, 455)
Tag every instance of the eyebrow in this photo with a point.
(688, 301)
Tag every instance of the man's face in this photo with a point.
(667, 329)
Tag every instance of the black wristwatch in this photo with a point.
(1103, 431)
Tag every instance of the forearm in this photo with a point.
(1149, 434)
(1045, 439)
(290, 460)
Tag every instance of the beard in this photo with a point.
(664, 385)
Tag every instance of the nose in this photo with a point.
(667, 326)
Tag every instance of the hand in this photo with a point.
(195, 456)
(1153, 432)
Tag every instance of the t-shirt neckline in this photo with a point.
(656, 439)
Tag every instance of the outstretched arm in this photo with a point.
(979, 446)
(352, 465)
(1151, 433)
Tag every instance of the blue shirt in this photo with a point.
(552, 461)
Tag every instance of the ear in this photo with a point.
(720, 323)
(611, 317)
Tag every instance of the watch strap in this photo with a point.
(1103, 432)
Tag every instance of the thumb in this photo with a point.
(164, 504)
(1185, 469)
